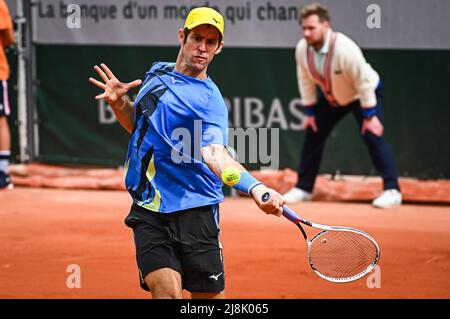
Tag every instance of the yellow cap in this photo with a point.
(204, 15)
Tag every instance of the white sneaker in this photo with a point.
(389, 198)
(297, 195)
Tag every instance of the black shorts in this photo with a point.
(4, 101)
(186, 241)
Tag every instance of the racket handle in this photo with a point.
(287, 212)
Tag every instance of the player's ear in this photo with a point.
(181, 36)
(219, 48)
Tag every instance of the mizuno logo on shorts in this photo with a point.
(215, 277)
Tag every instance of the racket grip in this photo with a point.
(287, 212)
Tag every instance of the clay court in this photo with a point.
(44, 230)
(73, 214)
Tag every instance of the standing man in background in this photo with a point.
(6, 39)
(347, 84)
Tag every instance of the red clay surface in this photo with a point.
(45, 230)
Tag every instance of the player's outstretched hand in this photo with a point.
(273, 205)
(114, 90)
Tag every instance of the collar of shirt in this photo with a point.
(320, 55)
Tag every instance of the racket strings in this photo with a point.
(342, 254)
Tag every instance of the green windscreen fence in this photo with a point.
(260, 88)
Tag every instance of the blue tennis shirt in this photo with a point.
(174, 116)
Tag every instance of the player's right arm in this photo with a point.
(218, 159)
(115, 95)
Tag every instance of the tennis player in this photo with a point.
(176, 189)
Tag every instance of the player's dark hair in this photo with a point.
(315, 8)
(187, 31)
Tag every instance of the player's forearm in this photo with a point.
(217, 159)
(123, 110)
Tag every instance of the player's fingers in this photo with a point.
(280, 211)
(280, 198)
(280, 205)
(134, 84)
(276, 209)
(100, 96)
(101, 73)
(97, 83)
(270, 210)
(274, 206)
(108, 71)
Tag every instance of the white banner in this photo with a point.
(400, 24)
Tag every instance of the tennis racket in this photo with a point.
(338, 254)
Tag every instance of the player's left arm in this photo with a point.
(218, 159)
(115, 95)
